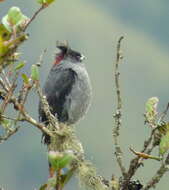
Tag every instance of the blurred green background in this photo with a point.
(93, 27)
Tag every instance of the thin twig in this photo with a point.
(10, 93)
(26, 116)
(3, 85)
(12, 47)
(117, 74)
(9, 134)
(58, 180)
(13, 119)
(6, 80)
(33, 17)
(137, 162)
(159, 174)
(164, 113)
(148, 142)
(22, 98)
(144, 155)
(117, 115)
(52, 119)
(40, 126)
(43, 101)
(39, 63)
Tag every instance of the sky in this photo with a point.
(93, 28)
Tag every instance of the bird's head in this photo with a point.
(66, 53)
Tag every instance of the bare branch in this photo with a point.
(159, 174)
(6, 80)
(40, 126)
(117, 73)
(52, 119)
(164, 113)
(3, 85)
(144, 155)
(39, 63)
(26, 116)
(117, 115)
(10, 93)
(13, 119)
(137, 162)
(33, 17)
(8, 135)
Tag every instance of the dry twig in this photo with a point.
(158, 175)
(137, 161)
(117, 115)
(33, 17)
(51, 118)
(9, 134)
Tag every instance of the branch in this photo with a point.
(117, 115)
(52, 119)
(159, 174)
(164, 113)
(26, 116)
(84, 169)
(12, 46)
(117, 74)
(5, 79)
(10, 93)
(8, 135)
(137, 161)
(88, 176)
(33, 17)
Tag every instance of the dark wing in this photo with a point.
(57, 87)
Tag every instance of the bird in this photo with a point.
(67, 89)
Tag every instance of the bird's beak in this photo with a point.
(82, 57)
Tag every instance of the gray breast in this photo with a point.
(78, 100)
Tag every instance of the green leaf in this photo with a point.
(9, 46)
(163, 128)
(25, 78)
(6, 123)
(51, 182)
(59, 160)
(35, 72)
(4, 33)
(164, 144)
(151, 109)
(54, 158)
(43, 187)
(45, 2)
(6, 23)
(14, 15)
(49, 1)
(151, 104)
(4, 37)
(14, 18)
(20, 66)
(40, 1)
(65, 161)
(5, 47)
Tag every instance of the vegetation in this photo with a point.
(65, 150)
